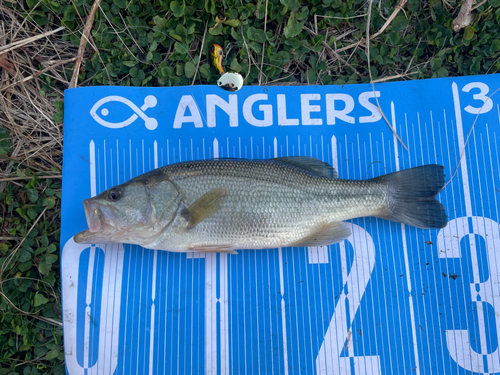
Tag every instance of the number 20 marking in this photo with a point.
(482, 95)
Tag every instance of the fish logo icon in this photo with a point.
(149, 102)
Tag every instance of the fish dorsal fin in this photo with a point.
(326, 235)
(310, 164)
(204, 207)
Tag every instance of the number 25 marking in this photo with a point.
(482, 95)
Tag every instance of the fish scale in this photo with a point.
(268, 203)
(227, 204)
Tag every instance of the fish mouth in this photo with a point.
(100, 222)
(88, 237)
(93, 215)
(99, 218)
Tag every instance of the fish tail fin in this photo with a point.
(412, 193)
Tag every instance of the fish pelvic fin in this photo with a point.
(325, 235)
(412, 195)
(214, 249)
(204, 207)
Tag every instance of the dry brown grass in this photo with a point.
(30, 58)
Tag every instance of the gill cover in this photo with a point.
(165, 201)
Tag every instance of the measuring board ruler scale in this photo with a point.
(389, 300)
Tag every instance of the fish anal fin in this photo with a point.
(204, 207)
(214, 249)
(310, 164)
(326, 235)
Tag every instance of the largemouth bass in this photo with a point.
(228, 204)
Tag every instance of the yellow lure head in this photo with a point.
(216, 56)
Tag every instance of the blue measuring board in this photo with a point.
(391, 299)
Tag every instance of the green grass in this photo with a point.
(30, 306)
(157, 43)
(151, 43)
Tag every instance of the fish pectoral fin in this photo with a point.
(326, 235)
(205, 207)
(312, 165)
(214, 249)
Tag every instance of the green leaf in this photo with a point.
(399, 23)
(394, 38)
(468, 32)
(494, 3)
(293, 27)
(53, 354)
(32, 195)
(436, 63)
(176, 37)
(39, 300)
(209, 6)
(205, 70)
(166, 71)
(5, 143)
(179, 69)
(235, 66)
(160, 22)
(44, 240)
(256, 34)
(178, 8)
(59, 104)
(232, 23)
(49, 202)
(133, 72)
(180, 48)
(24, 266)
(39, 17)
(51, 258)
(189, 69)
(69, 14)
(120, 3)
(290, 4)
(58, 117)
(51, 248)
(191, 29)
(156, 57)
(44, 268)
(24, 255)
(40, 350)
(495, 46)
(32, 214)
(217, 30)
(50, 278)
(442, 72)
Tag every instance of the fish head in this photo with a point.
(135, 212)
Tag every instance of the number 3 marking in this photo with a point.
(482, 95)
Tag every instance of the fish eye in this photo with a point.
(114, 194)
